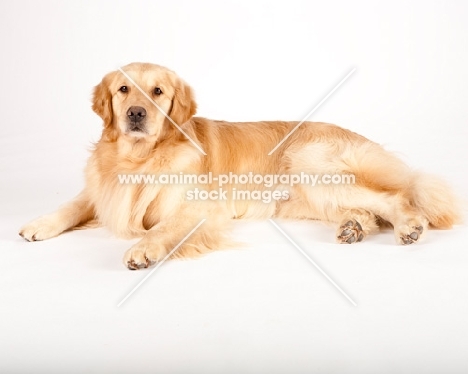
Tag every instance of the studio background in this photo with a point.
(262, 308)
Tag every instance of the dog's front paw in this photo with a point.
(40, 229)
(142, 255)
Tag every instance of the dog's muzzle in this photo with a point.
(136, 118)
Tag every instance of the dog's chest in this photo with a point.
(121, 196)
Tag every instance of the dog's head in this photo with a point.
(135, 102)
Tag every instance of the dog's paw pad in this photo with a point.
(350, 232)
(413, 237)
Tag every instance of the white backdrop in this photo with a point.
(262, 308)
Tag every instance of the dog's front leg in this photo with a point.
(73, 213)
(161, 239)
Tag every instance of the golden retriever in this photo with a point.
(142, 107)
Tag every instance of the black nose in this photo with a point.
(136, 113)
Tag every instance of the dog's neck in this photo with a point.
(135, 148)
(140, 149)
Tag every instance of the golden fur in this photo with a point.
(386, 190)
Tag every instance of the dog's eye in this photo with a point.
(123, 89)
(157, 91)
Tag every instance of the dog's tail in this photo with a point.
(379, 169)
(435, 200)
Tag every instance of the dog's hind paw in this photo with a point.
(415, 233)
(350, 232)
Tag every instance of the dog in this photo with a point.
(149, 128)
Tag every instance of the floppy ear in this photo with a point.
(102, 101)
(102, 105)
(183, 104)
